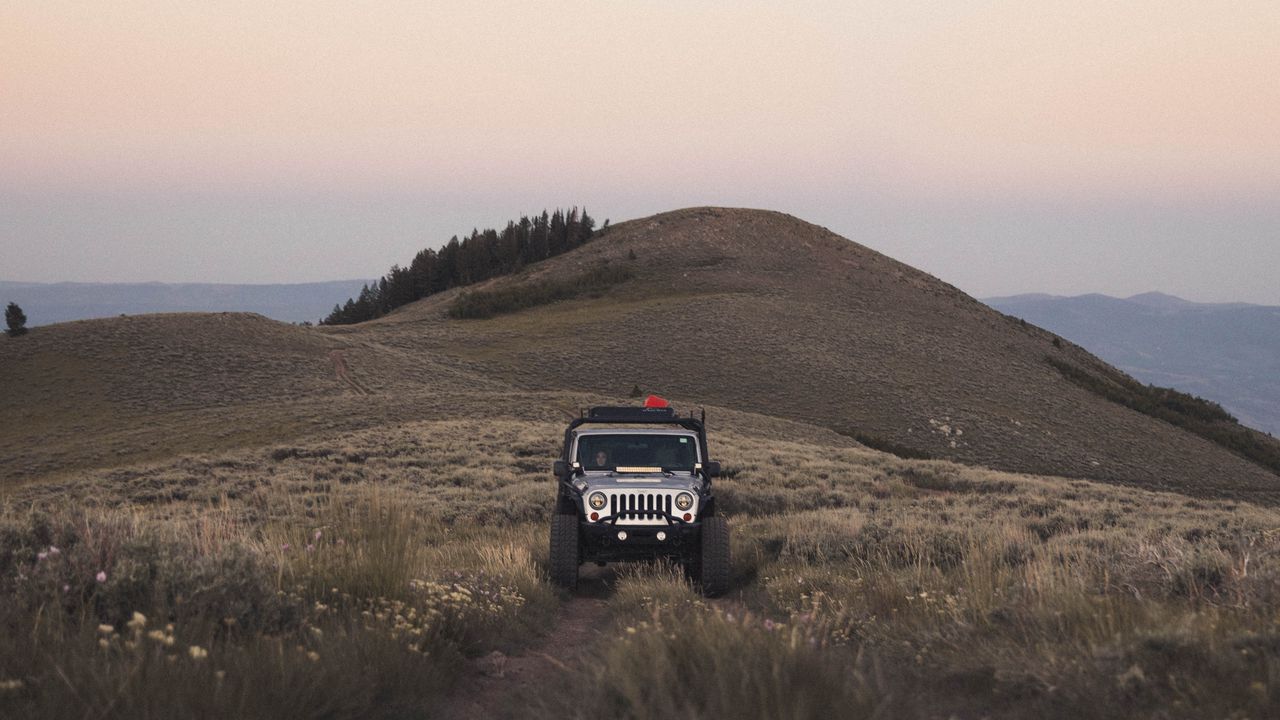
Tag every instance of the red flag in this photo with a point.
(653, 401)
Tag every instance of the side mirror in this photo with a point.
(559, 468)
(712, 469)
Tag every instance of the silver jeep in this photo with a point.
(635, 484)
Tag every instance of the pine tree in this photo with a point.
(557, 239)
(334, 317)
(421, 271)
(478, 257)
(16, 319)
(539, 244)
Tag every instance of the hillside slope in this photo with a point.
(1228, 352)
(758, 310)
(98, 393)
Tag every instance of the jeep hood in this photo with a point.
(652, 481)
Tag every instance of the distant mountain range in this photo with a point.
(1225, 352)
(48, 303)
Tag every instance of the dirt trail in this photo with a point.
(492, 686)
(344, 373)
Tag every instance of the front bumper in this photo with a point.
(600, 541)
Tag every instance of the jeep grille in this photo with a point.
(643, 507)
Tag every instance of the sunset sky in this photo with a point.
(1003, 146)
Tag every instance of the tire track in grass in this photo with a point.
(343, 372)
(493, 686)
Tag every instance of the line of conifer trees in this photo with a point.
(479, 257)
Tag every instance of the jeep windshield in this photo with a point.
(637, 452)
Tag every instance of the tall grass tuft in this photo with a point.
(714, 663)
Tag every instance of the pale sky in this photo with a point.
(1003, 146)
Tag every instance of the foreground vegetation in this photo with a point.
(345, 610)
(351, 578)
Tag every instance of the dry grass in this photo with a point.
(354, 608)
(334, 549)
(863, 583)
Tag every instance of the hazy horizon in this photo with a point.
(1004, 148)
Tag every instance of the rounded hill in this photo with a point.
(761, 311)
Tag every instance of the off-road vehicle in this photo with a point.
(634, 483)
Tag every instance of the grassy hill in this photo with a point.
(744, 309)
(102, 392)
(220, 515)
(760, 311)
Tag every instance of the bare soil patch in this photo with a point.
(498, 685)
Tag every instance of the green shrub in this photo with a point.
(481, 304)
(16, 320)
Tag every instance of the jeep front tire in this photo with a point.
(564, 550)
(713, 563)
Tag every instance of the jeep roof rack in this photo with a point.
(639, 416)
(655, 411)
(631, 414)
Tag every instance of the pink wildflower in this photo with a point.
(310, 547)
(768, 624)
(284, 546)
(316, 536)
(41, 555)
(101, 576)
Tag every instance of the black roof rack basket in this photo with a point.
(632, 414)
(640, 415)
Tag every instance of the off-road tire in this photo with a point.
(713, 563)
(564, 550)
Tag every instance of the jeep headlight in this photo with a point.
(597, 501)
(684, 501)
